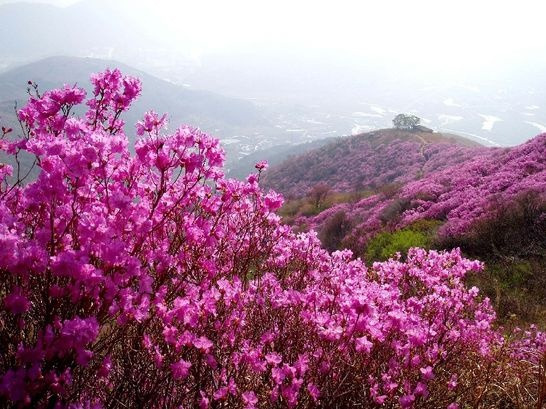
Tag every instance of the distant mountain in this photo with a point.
(219, 115)
(370, 160)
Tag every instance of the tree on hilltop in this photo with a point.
(405, 121)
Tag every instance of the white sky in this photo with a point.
(60, 3)
(453, 35)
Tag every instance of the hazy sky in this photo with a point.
(462, 35)
(60, 3)
(419, 55)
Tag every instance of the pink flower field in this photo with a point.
(146, 278)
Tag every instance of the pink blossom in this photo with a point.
(249, 399)
(363, 344)
(261, 165)
(313, 391)
(16, 303)
(407, 401)
(180, 369)
(427, 373)
(203, 343)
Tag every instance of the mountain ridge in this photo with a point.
(216, 114)
(365, 161)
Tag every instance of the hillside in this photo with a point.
(370, 160)
(458, 196)
(492, 204)
(286, 205)
(146, 278)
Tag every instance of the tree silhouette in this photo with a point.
(404, 121)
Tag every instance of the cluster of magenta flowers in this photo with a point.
(150, 280)
(459, 196)
(473, 190)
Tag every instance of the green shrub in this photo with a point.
(309, 209)
(386, 244)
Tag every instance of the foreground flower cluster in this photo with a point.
(149, 280)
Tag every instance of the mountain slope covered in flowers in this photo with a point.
(458, 195)
(492, 204)
(371, 160)
(150, 280)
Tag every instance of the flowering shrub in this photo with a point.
(149, 280)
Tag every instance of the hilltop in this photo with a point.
(370, 160)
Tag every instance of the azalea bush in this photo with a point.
(147, 279)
